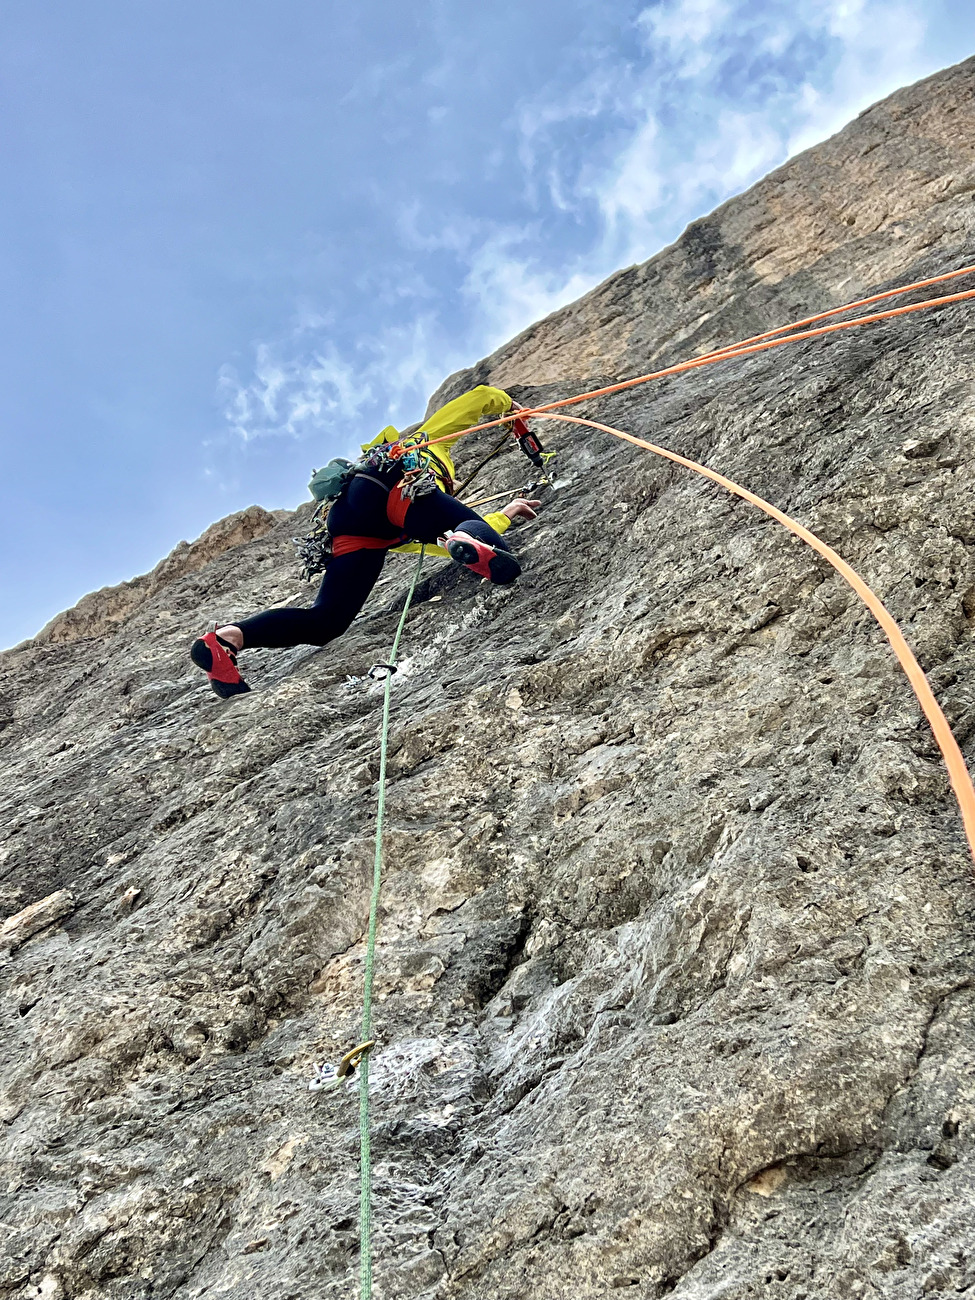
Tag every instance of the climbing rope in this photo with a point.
(961, 781)
(748, 347)
(365, 1151)
(850, 306)
(958, 774)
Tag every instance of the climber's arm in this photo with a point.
(498, 520)
(464, 412)
(520, 508)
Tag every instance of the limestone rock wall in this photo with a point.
(675, 988)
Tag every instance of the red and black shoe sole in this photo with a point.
(503, 566)
(202, 657)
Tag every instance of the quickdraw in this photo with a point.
(528, 442)
(422, 471)
(385, 669)
(314, 550)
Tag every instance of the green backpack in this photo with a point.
(329, 483)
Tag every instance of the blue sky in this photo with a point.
(236, 238)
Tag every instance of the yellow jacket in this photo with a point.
(457, 415)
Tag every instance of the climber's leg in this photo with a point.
(218, 659)
(465, 547)
(435, 514)
(347, 583)
(469, 539)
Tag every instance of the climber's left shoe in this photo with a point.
(218, 659)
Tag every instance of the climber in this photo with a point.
(386, 505)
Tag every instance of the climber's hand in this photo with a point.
(513, 409)
(520, 508)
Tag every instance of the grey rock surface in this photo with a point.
(675, 988)
(20, 927)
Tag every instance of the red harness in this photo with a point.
(396, 508)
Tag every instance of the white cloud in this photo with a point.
(881, 46)
(287, 396)
(507, 293)
(685, 30)
(717, 104)
(612, 165)
(635, 185)
(298, 395)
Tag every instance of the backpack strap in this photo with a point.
(361, 473)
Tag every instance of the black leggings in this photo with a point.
(349, 578)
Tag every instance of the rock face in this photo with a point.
(675, 991)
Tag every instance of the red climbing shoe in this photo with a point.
(218, 659)
(484, 560)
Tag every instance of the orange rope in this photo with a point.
(961, 781)
(734, 350)
(850, 306)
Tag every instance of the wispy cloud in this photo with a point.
(687, 31)
(725, 91)
(509, 289)
(294, 391)
(880, 49)
(697, 100)
(287, 396)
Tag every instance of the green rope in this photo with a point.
(365, 1161)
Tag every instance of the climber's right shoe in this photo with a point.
(486, 561)
(218, 659)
